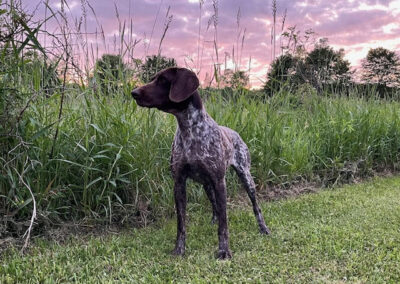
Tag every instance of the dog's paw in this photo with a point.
(178, 251)
(213, 219)
(264, 230)
(224, 254)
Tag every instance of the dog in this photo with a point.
(202, 150)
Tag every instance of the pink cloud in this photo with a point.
(352, 25)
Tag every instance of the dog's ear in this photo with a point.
(184, 85)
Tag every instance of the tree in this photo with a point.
(110, 71)
(235, 80)
(35, 63)
(153, 64)
(320, 67)
(381, 67)
(282, 74)
(325, 66)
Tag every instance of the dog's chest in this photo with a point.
(200, 143)
(201, 147)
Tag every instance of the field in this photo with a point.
(346, 234)
(76, 152)
(111, 159)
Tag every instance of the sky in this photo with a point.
(355, 26)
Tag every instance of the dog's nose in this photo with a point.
(135, 93)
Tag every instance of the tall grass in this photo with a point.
(111, 160)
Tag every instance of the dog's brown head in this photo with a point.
(170, 90)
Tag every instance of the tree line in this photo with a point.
(326, 69)
(323, 68)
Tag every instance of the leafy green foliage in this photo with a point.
(320, 67)
(282, 75)
(153, 64)
(35, 63)
(382, 67)
(235, 79)
(24, 69)
(110, 73)
(323, 66)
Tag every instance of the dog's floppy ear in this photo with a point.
(184, 85)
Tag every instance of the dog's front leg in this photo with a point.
(223, 234)
(180, 204)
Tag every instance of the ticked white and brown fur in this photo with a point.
(202, 150)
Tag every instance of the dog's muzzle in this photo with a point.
(135, 93)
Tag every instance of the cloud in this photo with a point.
(68, 5)
(353, 25)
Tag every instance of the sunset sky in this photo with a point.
(354, 25)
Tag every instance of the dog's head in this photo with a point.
(170, 90)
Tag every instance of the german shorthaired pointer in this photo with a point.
(201, 150)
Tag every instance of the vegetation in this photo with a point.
(303, 59)
(324, 66)
(111, 158)
(282, 75)
(72, 150)
(235, 79)
(321, 67)
(349, 234)
(152, 65)
(110, 72)
(382, 68)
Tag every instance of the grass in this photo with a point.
(347, 234)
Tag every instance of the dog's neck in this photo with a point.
(193, 115)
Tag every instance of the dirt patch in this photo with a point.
(275, 192)
(12, 232)
(63, 233)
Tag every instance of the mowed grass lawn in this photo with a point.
(337, 235)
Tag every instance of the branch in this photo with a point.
(28, 231)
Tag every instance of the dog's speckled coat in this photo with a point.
(202, 150)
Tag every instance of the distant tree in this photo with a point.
(320, 67)
(286, 69)
(153, 64)
(282, 74)
(381, 67)
(235, 79)
(325, 66)
(110, 70)
(35, 64)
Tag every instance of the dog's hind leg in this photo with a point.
(242, 167)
